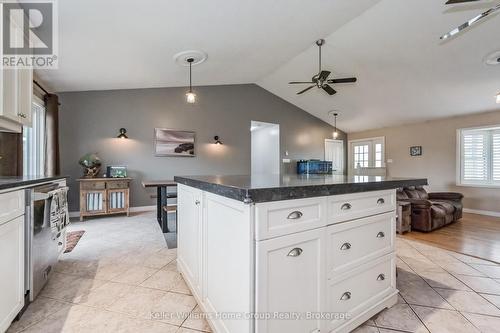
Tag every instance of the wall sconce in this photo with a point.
(123, 134)
(217, 141)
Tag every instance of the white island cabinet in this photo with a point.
(314, 264)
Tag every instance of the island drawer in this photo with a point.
(12, 205)
(360, 289)
(353, 206)
(279, 218)
(352, 243)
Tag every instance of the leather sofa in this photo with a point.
(430, 211)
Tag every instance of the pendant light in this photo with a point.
(335, 132)
(190, 95)
(498, 98)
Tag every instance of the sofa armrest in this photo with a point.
(420, 203)
(445, 196)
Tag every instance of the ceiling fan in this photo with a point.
(321, 80)
(474, 20)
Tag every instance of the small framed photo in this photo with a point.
(416, 151)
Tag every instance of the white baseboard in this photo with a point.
(482, 212)
(132, 210)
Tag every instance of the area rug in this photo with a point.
(72, 239)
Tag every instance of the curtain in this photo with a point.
(52, 162)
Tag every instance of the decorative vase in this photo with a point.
(91, 164)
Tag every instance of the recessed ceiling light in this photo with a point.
(493, 58)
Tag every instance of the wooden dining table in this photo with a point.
(162, 196)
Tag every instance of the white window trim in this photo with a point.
(459, 156)
(350, 158)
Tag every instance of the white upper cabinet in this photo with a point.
(16, 90)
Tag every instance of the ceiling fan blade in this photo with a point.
(328, 89)
(300, 82)
(303, 91)
(471, 22)
(452, 2)
(344, 80)
(323, 75)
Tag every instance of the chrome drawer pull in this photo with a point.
(346, 296)
(294, 215)
(380, 201)
(346, 206)
(197, 202)
(295, 252)
(380, 235)
(381, 277)
(345, 246)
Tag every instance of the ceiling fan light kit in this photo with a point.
(321, 80)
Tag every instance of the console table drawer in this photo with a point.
(353, 206)
(360, 289)
(92, 185)
(279, 218)
(352, 243)
(114, 185)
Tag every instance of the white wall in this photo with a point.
(265, 155)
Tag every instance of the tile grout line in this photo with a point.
(466, 319)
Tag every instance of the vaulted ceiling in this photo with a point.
(405, 73)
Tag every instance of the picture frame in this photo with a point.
(172, 142)
(416, 151)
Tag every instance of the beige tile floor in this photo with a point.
(121, 277)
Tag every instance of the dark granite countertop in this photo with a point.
(25, 181)
(263, 188)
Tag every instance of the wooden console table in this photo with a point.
(103, 196)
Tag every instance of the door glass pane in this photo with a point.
(34, 142)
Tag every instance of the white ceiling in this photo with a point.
(405, 73)
(115, 44)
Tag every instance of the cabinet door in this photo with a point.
(9, 95)
(12, 270)
(189, 207)
(24, 95)
(291, 280)
(117, 201)
(93, 202)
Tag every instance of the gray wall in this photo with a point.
(89, 122)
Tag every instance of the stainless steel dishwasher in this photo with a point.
(43, 246)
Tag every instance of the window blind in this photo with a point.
(495, 149)
(480, 156)
(475, 159)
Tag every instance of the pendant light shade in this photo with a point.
(498, 98)
(190, 95)
(335, 131)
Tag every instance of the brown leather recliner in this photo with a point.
(430, 211)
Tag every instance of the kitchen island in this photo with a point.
(294, 253)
